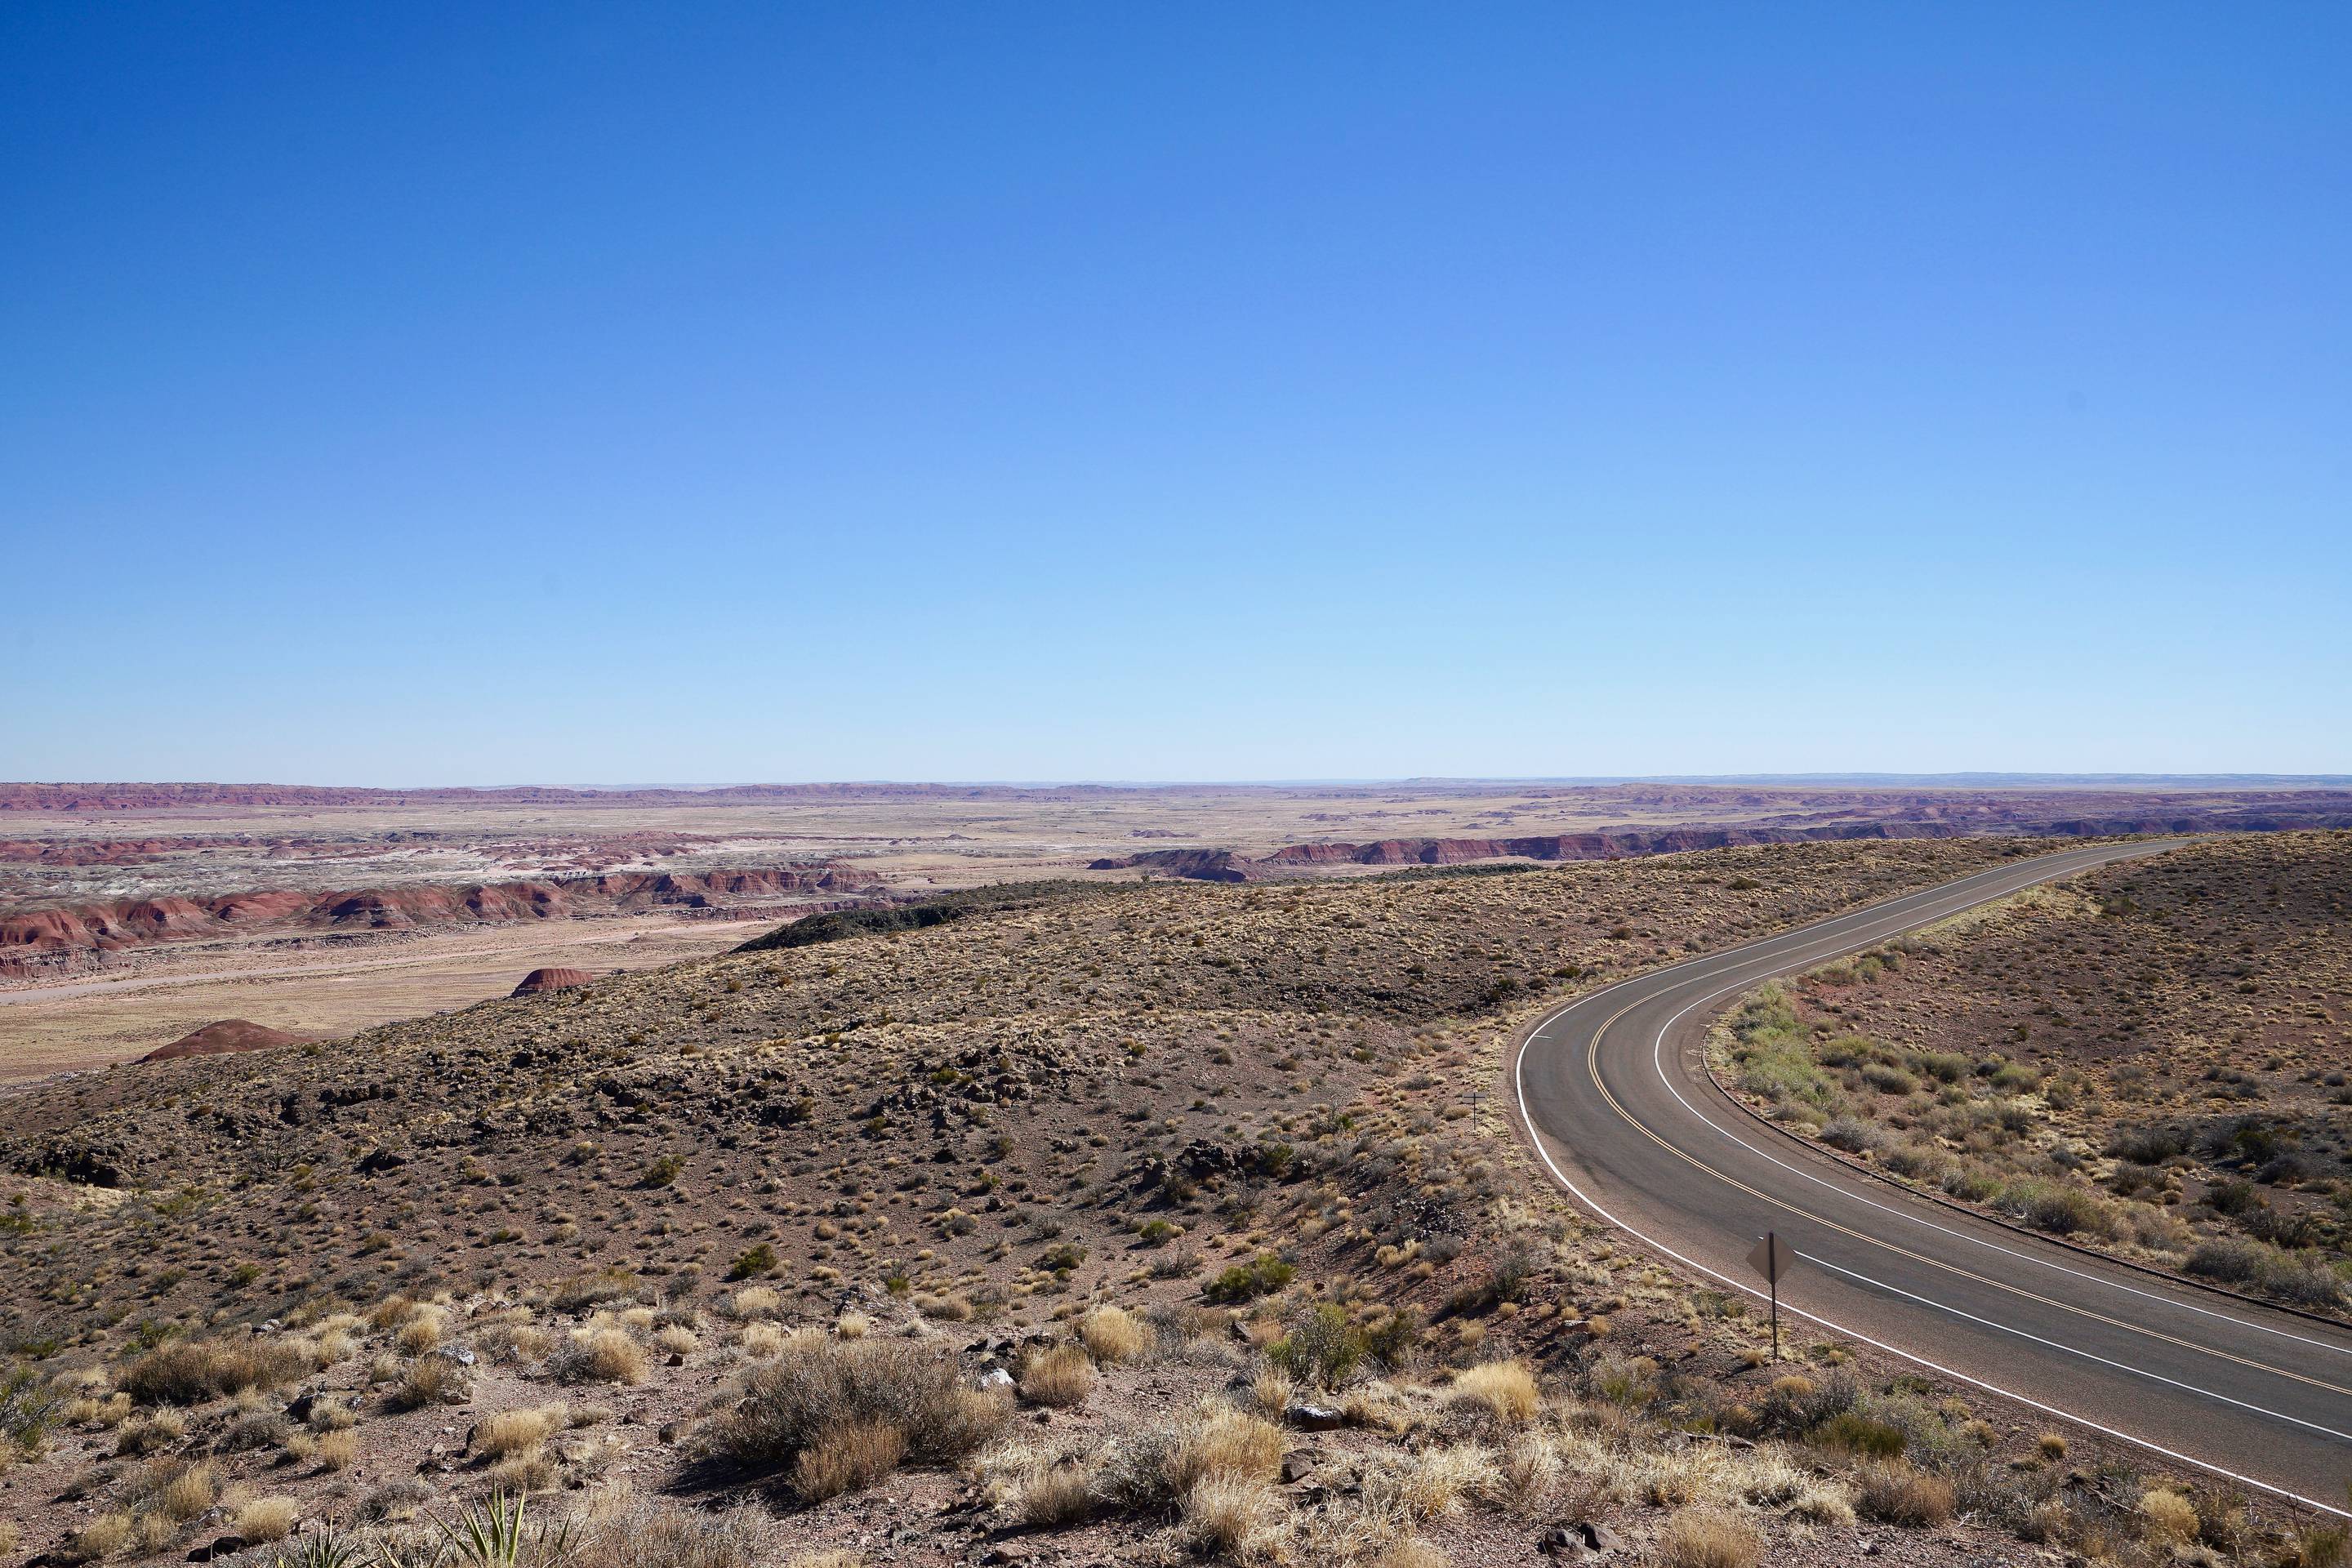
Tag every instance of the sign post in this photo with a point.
(1772, 1259)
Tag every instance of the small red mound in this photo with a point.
(222, 1038)
(540, 980)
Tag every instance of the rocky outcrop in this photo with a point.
(227, 1038)
(1198, 865)
(540, 980)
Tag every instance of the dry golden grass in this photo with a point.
(268, 1518)
(1708, 1538)
(2168, 1515)
(336, 1449)
(187, 1494)
(676, 1340)
(102, 1537)
(1233, 1517)
(1894, 1492)
(603, 1355)
(1055, 1494)
(848, 1458)
(1114, 1336)
(505, 1433)
(1060, 1377)
(1506, 1390)
(755, 1301)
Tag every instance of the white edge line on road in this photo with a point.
(2070, 1350)
(1519, 1093)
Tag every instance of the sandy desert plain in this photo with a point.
(125, 857)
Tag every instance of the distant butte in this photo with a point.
(540, 980)
(227, 1038)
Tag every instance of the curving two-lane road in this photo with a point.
(1614, 1091)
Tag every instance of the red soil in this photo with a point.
(224, 1039)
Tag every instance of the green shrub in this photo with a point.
(752, 1261)
(1261, 1276)
(1322, 1347)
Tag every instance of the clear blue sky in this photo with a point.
(473, 393)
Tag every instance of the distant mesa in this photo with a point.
(225, 1038)
(540, 980)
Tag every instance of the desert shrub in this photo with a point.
(593, 1289)
(2226, 1257)
(1894, 1491)
(1113, 1335)
(2146, 1145)
(427, 1380)
(1261, 1276)
(190, 1371)
(1060, 1377)
(335, 1451)
(28, 1405)
(818, 1386)
(1708, 1538)
(1504, 1390)
(2168, 1515)
(1858, 1434)
(1852, 1134)
(753, 1261)
(601, 1355)
(846, 1458)
(2053, 1206)
(1322, 1346)
(1153, 1464)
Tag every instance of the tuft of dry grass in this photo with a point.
(676, 1340)
(846, 1458)
(187, 1494)
(1114, 1336)
(268, 1518)
(1230, 1516)
(1708, 1538)
(1506, 1390)
(2169, 1515)
(102, 1537)
(336, 1449)
(505, 1433)
(602, 1355)
(1056, 1494)
(1060, 1377)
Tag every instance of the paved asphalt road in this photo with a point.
(1613, 1089)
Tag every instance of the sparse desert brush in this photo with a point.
(1708, 1538)
(427, 1380)
(760, 1340)
(951, 1308)
(1272, 1391)
(1060, 1377)
(853, 1325)
(1113, 1335)
(676, 1340)
(1150, 1464)
(336, 1449)
(268, 1518)
(329, 1413)
(1428, 1484)
(755, 1301)
(1504, 1390)
(190, 1371)
(601, 1355)
(827, 1386)
(10, 1539)
(1894, 1492)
